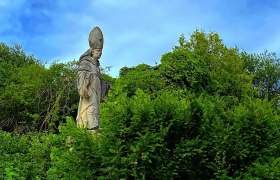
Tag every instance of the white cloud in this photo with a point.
(138, 31)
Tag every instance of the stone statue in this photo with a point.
(90, 86)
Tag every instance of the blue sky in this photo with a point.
(135, 31)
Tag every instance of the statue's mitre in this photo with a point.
(95, 38)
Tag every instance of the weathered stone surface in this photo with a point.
(90, 87)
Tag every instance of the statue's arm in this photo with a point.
(84, 79)
(83, 83)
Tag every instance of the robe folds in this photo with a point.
(89, 88)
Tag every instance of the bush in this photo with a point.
(74, 153)
(24, 156)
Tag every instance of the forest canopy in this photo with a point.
(206, 111)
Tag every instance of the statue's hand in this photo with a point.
(86, 92)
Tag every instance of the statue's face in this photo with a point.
(96, 53)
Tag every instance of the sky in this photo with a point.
(135, 31)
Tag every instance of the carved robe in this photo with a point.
(89, 88)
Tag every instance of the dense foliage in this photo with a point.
(31, 95)
(206, 111)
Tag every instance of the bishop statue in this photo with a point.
(90, 86)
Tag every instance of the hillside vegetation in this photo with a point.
(206, 111)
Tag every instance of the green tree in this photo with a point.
(143, 77)
(204, 63)
(265, 68)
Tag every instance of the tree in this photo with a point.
(265, 68)
(204, 63)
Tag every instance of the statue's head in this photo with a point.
(96, 53)
(96, 42)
